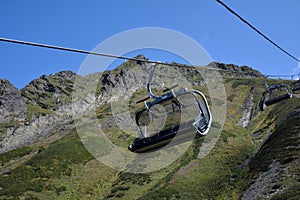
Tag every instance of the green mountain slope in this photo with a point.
(256, 156)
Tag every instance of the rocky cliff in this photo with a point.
(31, 114)
(12, 104)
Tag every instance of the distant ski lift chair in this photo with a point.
(274, 94)
(295, 86)
(170, 119)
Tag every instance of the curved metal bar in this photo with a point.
(208, 113)
(151, 95)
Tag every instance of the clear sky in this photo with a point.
(83, 24)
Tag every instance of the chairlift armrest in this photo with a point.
(170, 88)
(180, 91)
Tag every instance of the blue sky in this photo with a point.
(84, 24)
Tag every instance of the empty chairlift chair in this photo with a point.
(274, 94)
(170, 119)
(295, 87)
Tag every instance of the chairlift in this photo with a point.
(295, 87)
(274, 94)
(172, 118)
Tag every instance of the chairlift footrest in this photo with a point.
(296, 89)
(278, 99)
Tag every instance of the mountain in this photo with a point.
(43, 156)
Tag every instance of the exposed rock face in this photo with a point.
(247, 111)
(39, 129)
(49, 94)
(265, 184)
(12, 104)
(232, 70)
(49, 91)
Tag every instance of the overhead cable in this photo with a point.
(95, 53)
(111, 55)
(258, 31)
(73, 50)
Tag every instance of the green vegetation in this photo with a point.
(282, 146)
(14, 154)
(49, 163)
(33, 110)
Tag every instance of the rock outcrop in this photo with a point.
(232, 70)
(49, 92)
(42, 108)
(12, 104)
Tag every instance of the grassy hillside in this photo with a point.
(64, 169)
(276, 164)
